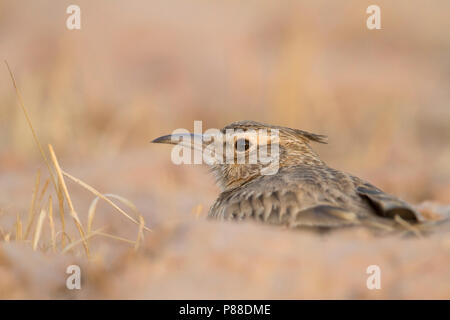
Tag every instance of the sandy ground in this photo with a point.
(200, 260)
(189, 257)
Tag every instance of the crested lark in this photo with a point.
(304, 192)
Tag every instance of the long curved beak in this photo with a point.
(190, 140)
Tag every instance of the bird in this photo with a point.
(304, 192)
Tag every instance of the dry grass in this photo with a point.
(61, 191)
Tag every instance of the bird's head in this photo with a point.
(244, 150)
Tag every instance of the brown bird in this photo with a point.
(304, 192)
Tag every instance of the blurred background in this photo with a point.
(140, 69)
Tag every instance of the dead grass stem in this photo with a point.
(62, 194)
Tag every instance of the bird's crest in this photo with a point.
(248, 124)
(312, 136)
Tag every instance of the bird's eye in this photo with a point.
(242, 145)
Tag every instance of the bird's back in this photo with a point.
(312, 196)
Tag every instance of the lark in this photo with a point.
(304, 192)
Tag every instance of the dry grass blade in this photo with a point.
(61, 215)
(38, 231)
(91, 214)
(131, 205)
(125, 201)
(63, 235)
(73, 213)
(18, 228)
(31, 213)
(52, 223)
(115, 237)
(6, 236)
(98, 194)
(197, 211)
(44, 189)
(27, 117)
(99, 233)
(82, 240)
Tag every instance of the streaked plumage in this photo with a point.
(305, 193)
(312, 196)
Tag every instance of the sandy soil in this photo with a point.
(188, 257)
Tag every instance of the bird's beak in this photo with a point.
(190, 140)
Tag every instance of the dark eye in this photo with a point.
(242, 145)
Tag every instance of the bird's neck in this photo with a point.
(229, 177)
(300, 155)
